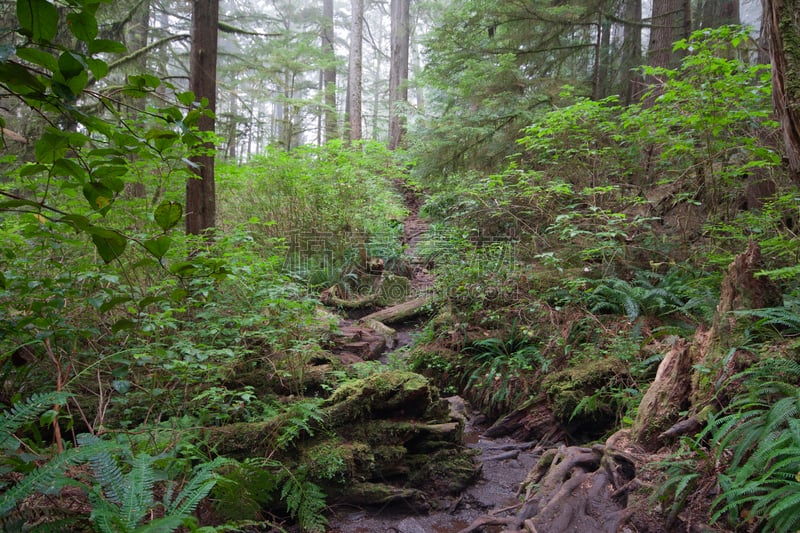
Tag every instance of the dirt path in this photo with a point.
(504, 466)
(504, 462)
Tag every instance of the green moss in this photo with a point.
(568, 388)
(383, 394)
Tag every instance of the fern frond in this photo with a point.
(104, 466)
(43, 479)
(202, 481)
(137, 491)
(27, 412)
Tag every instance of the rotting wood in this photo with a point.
(400, 312)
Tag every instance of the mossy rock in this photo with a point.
(369, 493)
(244, 439)
(567, 389)
(446, 471)
(386, 394)
(393, 290)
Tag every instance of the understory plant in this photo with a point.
(757, 441)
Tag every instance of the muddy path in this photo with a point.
(504, 462)
(504, 465)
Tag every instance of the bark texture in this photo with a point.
(782, 24)
(355, 71)
(398, 74)
(200, 193)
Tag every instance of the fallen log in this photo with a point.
(400, 312)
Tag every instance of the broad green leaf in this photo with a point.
(68, 167)
(149, 300)
(113, 302)
(104, 172)
(168, 214)
(51, 146)
(158, 246)
(122, 324)
(3, 283)
(70, 65)
(121, 385)
(183, 268)
(186, 98)
(98, 67)
(13, 204)
(83, 25)
(110, 246)
(31, 168)
(113, 183)
(98, 195)
(38, 57)
(19, 79)
(38, 19)
(98, 46)
(79, 222)
(160, 133)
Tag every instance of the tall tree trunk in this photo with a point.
(329, 72)
(671, 21)
(716, 13)
(602, 57)
(398, 74)
(200, 194)
(782, 18)
(631, 50)
(355, 72)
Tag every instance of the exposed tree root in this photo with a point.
(571, 489)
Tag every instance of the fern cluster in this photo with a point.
(760, 431)
(121, 487)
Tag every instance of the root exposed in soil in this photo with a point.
(571, 488)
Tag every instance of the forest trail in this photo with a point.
(525, 487)
(504, 462)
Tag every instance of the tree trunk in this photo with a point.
(716, 13)
(355, 71)
(671, 21)
(782, 21)
(398, 74)
(631, 51)
(200, 195)
(329, 72)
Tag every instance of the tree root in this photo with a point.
(571, 489)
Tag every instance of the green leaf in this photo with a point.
(98, 195)
(68, 167)
(19, 79)
(78, 83)
(184, 268)
(3, 284)
(38, 19)
(121, 385)
(168, 214)
(51, 146)
(38, 57)
(98, 67)
(31, 168)
(98, 46)
(158, 246)
(122, 324)
(13, 204)
(83, 25)
(113, 302)
(186, 98)
(79, 222)
(110, 245)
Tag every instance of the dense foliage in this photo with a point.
(572, 237)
